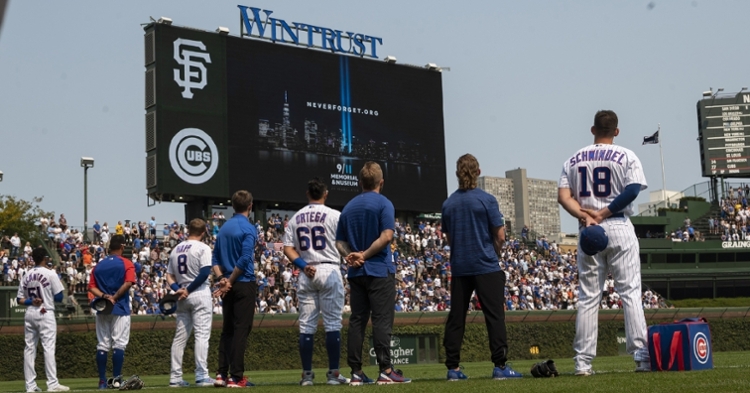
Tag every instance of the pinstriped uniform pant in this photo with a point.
(192, 313)
(323, 294)
(38, 325)
(112, 331)
(621, 258)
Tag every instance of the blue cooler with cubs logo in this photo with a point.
(680, 346)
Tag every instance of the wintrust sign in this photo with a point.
(259, 24)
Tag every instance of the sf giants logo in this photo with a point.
(193, 72)
(700, 348)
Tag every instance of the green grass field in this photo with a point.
(731, 373)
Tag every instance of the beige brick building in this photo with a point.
(525, 201)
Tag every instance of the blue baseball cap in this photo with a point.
(593, 239)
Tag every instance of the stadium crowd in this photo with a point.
(538, 278)
(732, 222)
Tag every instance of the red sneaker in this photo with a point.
(219, 382)
(242, 383)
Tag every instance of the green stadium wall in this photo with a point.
(277, 348)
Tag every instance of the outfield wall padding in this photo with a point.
(149, 350)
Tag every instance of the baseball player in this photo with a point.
(598, 186)
(39, 289)
(309, 241)
(111, 280)
(187, 274)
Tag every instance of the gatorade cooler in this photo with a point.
(680, 346)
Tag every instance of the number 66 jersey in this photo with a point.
(312, 232)
(597, 174)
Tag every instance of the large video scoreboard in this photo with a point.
(225, 113)
(724, 129)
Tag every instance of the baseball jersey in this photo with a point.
(186, 261)
(41, 283)
(109, 275)
(312, 232)
(597, 174)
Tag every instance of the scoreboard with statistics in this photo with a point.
(723, 131)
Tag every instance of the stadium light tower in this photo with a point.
(1, 175)
(86, 163)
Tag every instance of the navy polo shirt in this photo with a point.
(235, 246)
(360, 224)
(468, 218)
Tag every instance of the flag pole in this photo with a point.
(663, 176)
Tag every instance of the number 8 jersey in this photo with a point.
(597, 174)
(186, 261)
(312, 232)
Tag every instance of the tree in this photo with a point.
(22, 217)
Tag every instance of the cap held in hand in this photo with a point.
(168, 304)
(102, 306)
(593, 239)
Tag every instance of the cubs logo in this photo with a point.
(193, 156)
(701, 348)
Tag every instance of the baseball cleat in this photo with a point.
(207, 382)
(501, 373)
(307, 378)
(395, 376)
(585, 373)
(59, 388)
(36, 389)
(360, 379)
(456, 375)
(335, 378)
(102, 385)
(180, 384)
(642, 366)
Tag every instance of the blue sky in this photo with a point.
(526, 79)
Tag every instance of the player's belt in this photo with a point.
(323, 263)
(617, 215)
(205, 284)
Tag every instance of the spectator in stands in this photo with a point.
(542, 278)
(97, 232)
(63, 222)
(27, 250)
(15, 245)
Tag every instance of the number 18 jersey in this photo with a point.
(186, 261)
(597, 174)
(312, 232)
